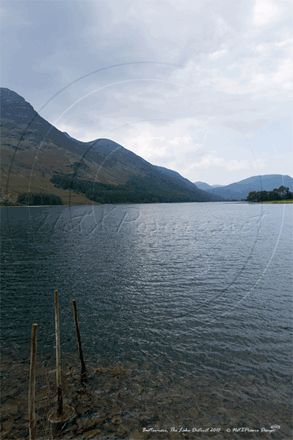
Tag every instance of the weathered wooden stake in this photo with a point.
(58, 357)
(31, 395)
(64, 413)
(83, 369)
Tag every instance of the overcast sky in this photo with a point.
(203, 87)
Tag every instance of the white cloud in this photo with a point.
(262, 48)
(287, 41)
(260, 76)
(235, 165)
(218, 54)
(148, 146)
(211, 160)
(265, 12)
(208, 161)
(181, 140)
(259, 163)
(284, 71)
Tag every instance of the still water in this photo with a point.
(193, 302)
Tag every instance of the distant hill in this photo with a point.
(33, 150)
(205, 186)
(240, 190)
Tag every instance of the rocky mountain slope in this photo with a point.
(33, 150)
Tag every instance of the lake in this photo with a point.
(185, 313)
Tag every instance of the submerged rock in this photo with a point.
(92, 434)
(116, 420)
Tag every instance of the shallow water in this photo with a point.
(190, 303)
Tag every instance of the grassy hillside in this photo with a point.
(32, 151)
(38, 183)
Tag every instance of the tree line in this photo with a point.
(104, 192)
(29, 198)
(147, 189)
(281, 193)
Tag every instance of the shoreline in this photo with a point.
(276, 202)
(47, 206)
(100, 204)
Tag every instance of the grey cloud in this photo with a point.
(47, 45)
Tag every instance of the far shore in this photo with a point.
(277, 201)
(96, 203)
(47, 206)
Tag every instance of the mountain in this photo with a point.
(205, 186)
(33, 151)
(240, 190)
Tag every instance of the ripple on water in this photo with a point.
(180, 306)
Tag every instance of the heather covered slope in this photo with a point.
(33, 150)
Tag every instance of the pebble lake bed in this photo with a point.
(185, 314)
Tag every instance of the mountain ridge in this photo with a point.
(33, 150)
(240, 190)
(205, 186)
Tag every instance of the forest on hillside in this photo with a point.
(137, 190)
(103, 192)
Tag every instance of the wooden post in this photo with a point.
(63, 413)
(83, 369)
(58, 357)
(31, 395)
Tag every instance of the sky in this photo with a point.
(200, 87)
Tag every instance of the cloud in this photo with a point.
(211, 160)
(181, 140)
(208, 161)
(218, 54)
(165, 74)
(4, 14)
(149, 146)
(265, 12)
(161, 144)
(259, 163)
(235, 165)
